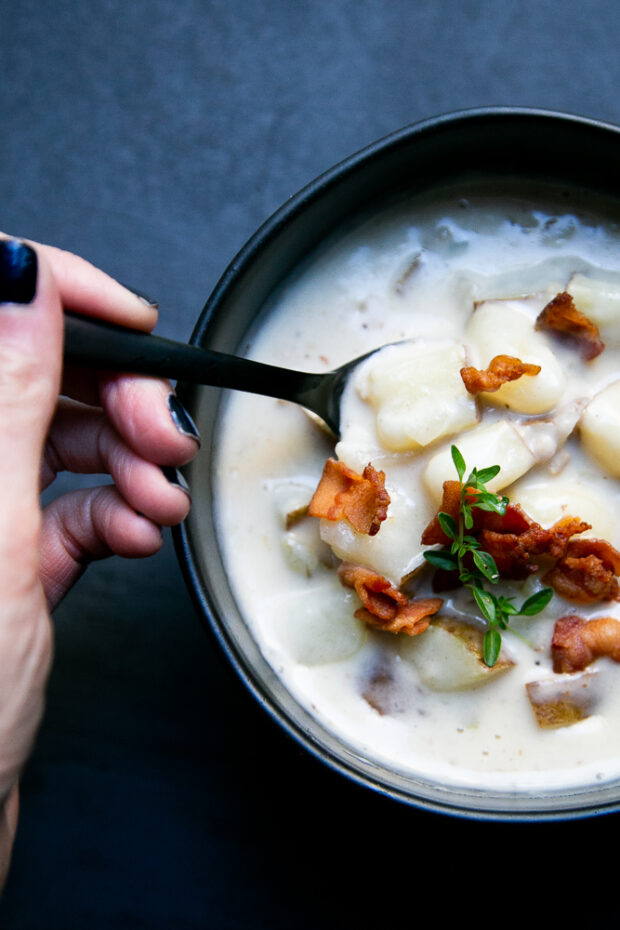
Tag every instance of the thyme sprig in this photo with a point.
(496, 610)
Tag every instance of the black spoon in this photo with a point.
(97, 344)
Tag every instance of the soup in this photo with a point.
(461, 280)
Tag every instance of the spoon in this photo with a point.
(95, 343)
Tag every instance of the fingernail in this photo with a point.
(181, 418)
(175, 478)
(153, 304)
(18, 272)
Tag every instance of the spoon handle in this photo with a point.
(98, 344)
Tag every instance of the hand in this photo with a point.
(123, 425)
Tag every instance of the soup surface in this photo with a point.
(462, 279)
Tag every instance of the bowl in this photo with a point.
(498, 148)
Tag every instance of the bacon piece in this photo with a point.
(412, 619)
(501, 369)
(562, 317)
(587, 572)
(562, 531)
(450, 504)
(513, 551)
(517, 538)
(512, 538)
(344, 494)
(384, 606)
(577, 642)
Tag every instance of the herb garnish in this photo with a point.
(497, 611)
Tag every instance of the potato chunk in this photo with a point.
(496, 444)
(600, 428)
(549, 501)
(418, 394)
(448, 656)
(320, 628)
(396, 550)
(500, 327)
(563, 700)
(599, 300)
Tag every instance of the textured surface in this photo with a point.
(153, 137)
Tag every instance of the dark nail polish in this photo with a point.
(18, 272)
(181, 418)
(175, 477)
(153, 304)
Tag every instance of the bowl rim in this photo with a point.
(249, 253)
(319, 185)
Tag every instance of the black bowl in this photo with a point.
(501, 146)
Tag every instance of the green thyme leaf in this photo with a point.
(536, 603)
(485, 563)
(448, 525)
(459, 462)
(492, 502)
(472, 480)
(471, 541)
(492, 645)
(486, 603)
(442, 559)
(487, 474)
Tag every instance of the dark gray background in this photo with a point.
(153, 138)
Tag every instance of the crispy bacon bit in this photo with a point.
(561, 533)
(344, 494)
(512, 538)
(513, 551)
(512, 545)
(384, 606)
(586, 572)
(562, 317)
(450, 504)
(501, 369)
(577, 642)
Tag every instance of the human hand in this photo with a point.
(123, 425)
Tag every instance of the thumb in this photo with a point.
(30, 363)
(31, 328)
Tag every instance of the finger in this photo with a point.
(86, 525)
(148, 415)
(82, 440)
(88, 290)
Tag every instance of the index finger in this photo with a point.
(86, 289)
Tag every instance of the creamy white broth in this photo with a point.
(415, 272)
